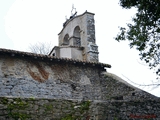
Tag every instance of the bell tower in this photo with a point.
(77, 38)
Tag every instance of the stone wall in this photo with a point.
(60, 109)
(43, 109)
(21, 77)
(33, 78)
(53, 90)
(129, 110)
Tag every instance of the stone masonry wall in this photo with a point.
(50, 90)
(129, 110)
(60, 109)
(30, 78)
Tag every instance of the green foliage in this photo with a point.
(144, 33)
(48, 108)
(115, 118)
(17, 104)
(31, 98)
(14, 107)
(4, 101)
(19, 109)
(17, 116)
(68, 117)
(83, 107)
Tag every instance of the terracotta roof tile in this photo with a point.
(47, 57)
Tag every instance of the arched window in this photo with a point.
(76, 35)
(66, 40)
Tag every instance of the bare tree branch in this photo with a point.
(41, 48)
(153, 85)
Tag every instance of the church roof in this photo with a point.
(15, 53)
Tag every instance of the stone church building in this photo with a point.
(70, 83)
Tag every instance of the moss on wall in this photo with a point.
(15, 108)
(23, 109)
(58, 109)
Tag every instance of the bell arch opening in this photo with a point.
(76, 36)
(66, 40)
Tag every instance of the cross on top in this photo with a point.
(73, 11)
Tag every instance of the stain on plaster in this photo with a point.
(37, 72)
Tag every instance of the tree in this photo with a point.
(41, 48)
(144, 32)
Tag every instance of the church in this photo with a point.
(70, 83)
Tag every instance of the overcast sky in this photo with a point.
(25, 22)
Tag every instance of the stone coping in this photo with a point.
(15, 53)
(79, 47)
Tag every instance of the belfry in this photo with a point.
(77, 39)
